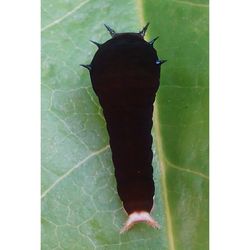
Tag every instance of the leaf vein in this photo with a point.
(73, 168)
(64, 16)
(188, 171)
(192, 4)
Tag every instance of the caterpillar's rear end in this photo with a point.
(125, 74)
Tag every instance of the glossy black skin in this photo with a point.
(125, 77)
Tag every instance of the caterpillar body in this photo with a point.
(125, 75)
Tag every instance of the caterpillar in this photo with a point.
(125, 75)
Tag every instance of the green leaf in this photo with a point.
(80, 205)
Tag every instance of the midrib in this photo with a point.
(159, 149)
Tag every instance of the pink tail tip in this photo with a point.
(137, 217)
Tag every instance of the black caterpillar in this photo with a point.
(125, 74)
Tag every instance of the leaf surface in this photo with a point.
(80, 205)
